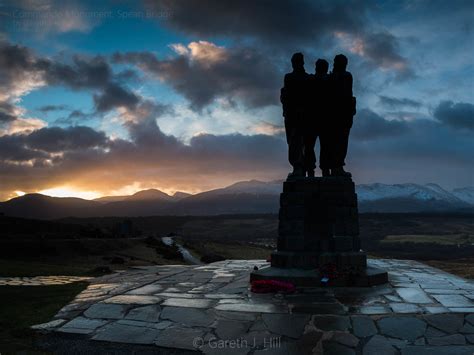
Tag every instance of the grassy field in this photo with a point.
(450, 239)
(228, 250)
(78, 257)
(229, 229)
(445, 242)
(25, 268)
(24, 306)
(438, 237)
(460, 267)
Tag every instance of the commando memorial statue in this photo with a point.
(318, 231)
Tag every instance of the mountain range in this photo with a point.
(245, 197)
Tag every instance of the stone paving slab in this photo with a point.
(210, 309)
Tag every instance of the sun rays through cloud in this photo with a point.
(94, 104)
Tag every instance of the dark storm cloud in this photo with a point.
(258, 150)
(92, 73)
(274, 29)
(77, 114)
(13, 148)
(394, 102)
(427, 151)
(280, 22)
(426, 142)
(286, 26)
(90, 158)
(147, 134)
(19, 63)
(381, 49)
(49, 140)
(457, 115)
(115, 96)
(14, 59)
(369, 126)
(58, 156)
(57, 139)
(235, 151)
(20, 70)
(75, 117)
(128, 75)
(7, 112)
(83, 72)
(40, 146)
(50, 108)
(241, 73)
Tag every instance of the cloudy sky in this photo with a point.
(110, 97)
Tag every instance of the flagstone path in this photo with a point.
(210, 309)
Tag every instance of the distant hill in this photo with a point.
(46, 207)
(408, 198)
(242, 197)
(15, 226)
(149, 195)
(465, 194)
(179, 195)
(111, 198)
(145, 195)
(245, 197)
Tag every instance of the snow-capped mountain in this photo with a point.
(409, 198)
(465, 193)
(252, 187)
(372, 192)
(245, 197)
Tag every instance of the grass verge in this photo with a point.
(31, 268)
(460, 267)
(227, 250)
(24, 306)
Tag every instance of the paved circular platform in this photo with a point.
(210, 309)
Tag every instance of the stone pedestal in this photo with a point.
(318, 235)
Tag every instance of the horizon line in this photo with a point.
(22, 194)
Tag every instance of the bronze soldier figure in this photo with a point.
(293, 97)
(316, 125)
(343, 109)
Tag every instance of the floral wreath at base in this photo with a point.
(269, 286)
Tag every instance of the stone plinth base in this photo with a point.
(368, 276)
(353, 260)
(318, 236)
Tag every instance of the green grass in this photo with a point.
(230, 229)
(460, 267)
(227, 250)
(24, 306)
(23, 268)
(452, 239)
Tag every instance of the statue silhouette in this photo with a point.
(318, 105)
(342, 111)
(294, 98)
(315, 124)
